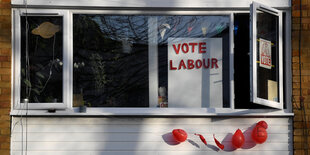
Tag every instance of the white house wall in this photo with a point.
(143, 136)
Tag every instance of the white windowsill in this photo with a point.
(225, 112)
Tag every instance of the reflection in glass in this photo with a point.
(110, 61)
(41, 63)
(111, 52)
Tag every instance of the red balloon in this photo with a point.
(259, 134)
(238, 139)
(263, 124)
(179, 135)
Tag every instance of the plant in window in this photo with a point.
(83, 106)
(78, 95)
(98, 68)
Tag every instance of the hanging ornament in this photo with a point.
(204, 31)
(238, 139)
(166, 25)
(221, 146)
(179, 135)
(162, 33)
(163, 29)
(201, 138)
(46, 30)
(259, 134)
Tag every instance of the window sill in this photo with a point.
(158, 112)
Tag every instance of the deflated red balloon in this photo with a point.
(259, 134)
(221, 146)
(179, 135)
(201, 138)
(238, 139)
(263, 124)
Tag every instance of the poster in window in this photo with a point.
(195, 72)
(273, 90)
(265, 53)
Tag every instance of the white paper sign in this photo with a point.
(265, 53)
(195, 72)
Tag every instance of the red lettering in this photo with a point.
(214, 63)
(182, 64)
(264, 60)
(204, 63)
(193, 46)
(190, 64)
(202, 47)
(177, 50)
(187, 48)
(171, 67)
(198, 63)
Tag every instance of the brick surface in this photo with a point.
(5, 75)
(6, 64)
(7, 91)
(299, 121)
(4, 152)
(5, 51)
(5, 71)
(5, 146)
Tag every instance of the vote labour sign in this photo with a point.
(265, 53)
(192, 48)
(195, 72)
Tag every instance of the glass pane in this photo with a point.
(191, 78)
(41, 59)
(110, 61)
(267, 56)
(111, 58)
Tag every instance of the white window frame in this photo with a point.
(253, 56)
(16, 57)
(68, 62)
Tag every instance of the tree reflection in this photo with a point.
(115, 50)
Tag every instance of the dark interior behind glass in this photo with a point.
(41, 67)
(110, 60)
(242, 61)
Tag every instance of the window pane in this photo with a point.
(41, 59)
(110, 61)
(198, 75)
(111, 55)
(267, 56)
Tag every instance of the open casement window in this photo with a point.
(40, 59)
(266, 56)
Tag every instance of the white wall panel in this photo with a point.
(137, 136)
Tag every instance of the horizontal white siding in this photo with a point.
(143, 136)
(154, 3)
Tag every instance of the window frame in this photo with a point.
(68, 68)
(253, 55)
(16, 57)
